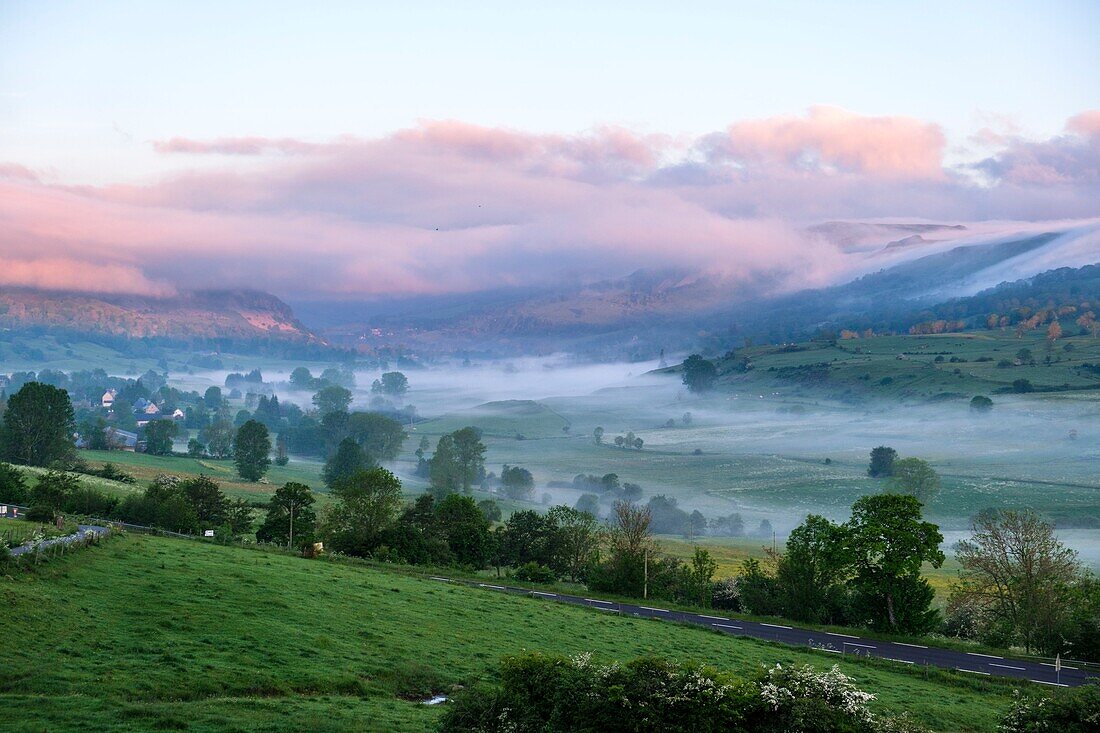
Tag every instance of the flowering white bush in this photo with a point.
(784, 684)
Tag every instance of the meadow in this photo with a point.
(144, 633)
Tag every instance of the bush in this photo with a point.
(40, 513)
(1076, 710)
(13, 487)
(532, 572)
(726, 595)
(545, 693)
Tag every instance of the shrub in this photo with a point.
(1076, 710)
(726, 595)
(40, 513)
(532, 572)
(545, 693)
(13, 487)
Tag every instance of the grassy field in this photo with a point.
(146, 633)
(144, 467)
(15, 532)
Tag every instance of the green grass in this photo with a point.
(144, 467)
(147, 633)
(15, 532)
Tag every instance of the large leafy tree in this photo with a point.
(332, 398)
(810, 574)
(206, 499)
(882, 462)
(1019, 574)
(391, 383)
(443, 470)
(252, 450)
(469, 454)
(916, 477)
(887, 542)
(38, 426)
(380, 436)
(158, 437)
(466, 529)
(347, 460)
(367, 503)
(290, 516)
(518, 482)
(578, 540)
(699, 374)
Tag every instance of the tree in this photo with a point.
(218, 437)
(915, 477)
(13, 487)
(380, 436)
(38, 426)
(290, 515)
(810, 574)
(195, 448)
(213, 399)
(469, 454)
(332, 398)
(578, 540)
(490, 509)
(252, 450)
(301, 378)
(1019, 575)
(443, 470)
(699, 575)
(348, 460)
(981, 404)
(1022, 386)
(54, 488)
(629, 544)
(367, 503)
(1054, 331)
(394, 384)
(206, 498)
(699, 374)
(597, 435)
(886, 543)
(588, 503)
(94, 433)
(518, 482)
(882, 462)
(158, 437)
(466, 530)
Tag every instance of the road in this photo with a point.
(82, 532)
(984, 665)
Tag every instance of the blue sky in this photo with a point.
(85, 86)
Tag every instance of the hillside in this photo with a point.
(211, 314)
(906, 269)
(148, 633)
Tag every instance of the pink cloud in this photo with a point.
(55, 273)
(833, 138)
(448, 206)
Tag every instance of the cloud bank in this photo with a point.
(447, 206)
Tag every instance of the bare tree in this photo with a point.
(1018, 574)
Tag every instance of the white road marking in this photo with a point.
(716, 618)
(726, 626)
(436, 577)
(658, 610)
(1005, 666)
(1064, 666)
(597, 600)
(987, 656)
(865, 646)
(972, 671)
(903, 661)
(544, 593)
(915, 646)
(776, 626)
(1055, 684)
(846, 636)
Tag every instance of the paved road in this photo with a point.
(82, 531)
(984, 665)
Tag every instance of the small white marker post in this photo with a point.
(1058, 668)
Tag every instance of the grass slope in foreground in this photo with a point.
(147, 633)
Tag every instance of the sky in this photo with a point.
(347, 150)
